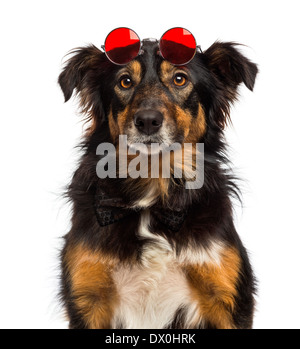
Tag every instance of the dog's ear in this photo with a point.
(73, 75)
(83, 73)
(230, 69)
(230, 66)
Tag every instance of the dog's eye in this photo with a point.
(180, 80)
(126, 82)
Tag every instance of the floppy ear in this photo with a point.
(83, 73)
(76, 68)
(230, 68)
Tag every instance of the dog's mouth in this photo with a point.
(148, 140)
(148, 144)
(164, 136)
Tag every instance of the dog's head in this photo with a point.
(152, 101)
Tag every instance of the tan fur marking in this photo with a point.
(135, 69)
(92, 285)
(113, 127)
(193, 128)
(184, 119)
(164, 187)
(117, 127)
(122, 119)
(214, 287)
(197, 128)
(167, 70)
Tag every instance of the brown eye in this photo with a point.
(126, 82)
(179, 80)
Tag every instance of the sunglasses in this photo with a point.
(177, 46)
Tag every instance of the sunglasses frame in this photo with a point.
(150, 39)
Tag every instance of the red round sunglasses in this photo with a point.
(177, 45)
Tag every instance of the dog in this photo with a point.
(148, 252)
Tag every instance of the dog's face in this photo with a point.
(152, 101)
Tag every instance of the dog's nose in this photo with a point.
(148, 121)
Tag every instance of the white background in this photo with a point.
(39, 132)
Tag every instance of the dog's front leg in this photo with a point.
(88, 289)
(223, 291)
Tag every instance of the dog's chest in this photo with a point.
(150, 294)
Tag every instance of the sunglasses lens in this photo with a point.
(122, 45)
(178, 46)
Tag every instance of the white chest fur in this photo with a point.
(151, 293)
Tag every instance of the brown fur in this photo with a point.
(214, 287)
(92, 286)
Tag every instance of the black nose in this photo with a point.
(148, 121)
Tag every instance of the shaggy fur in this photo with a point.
(138, 271)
